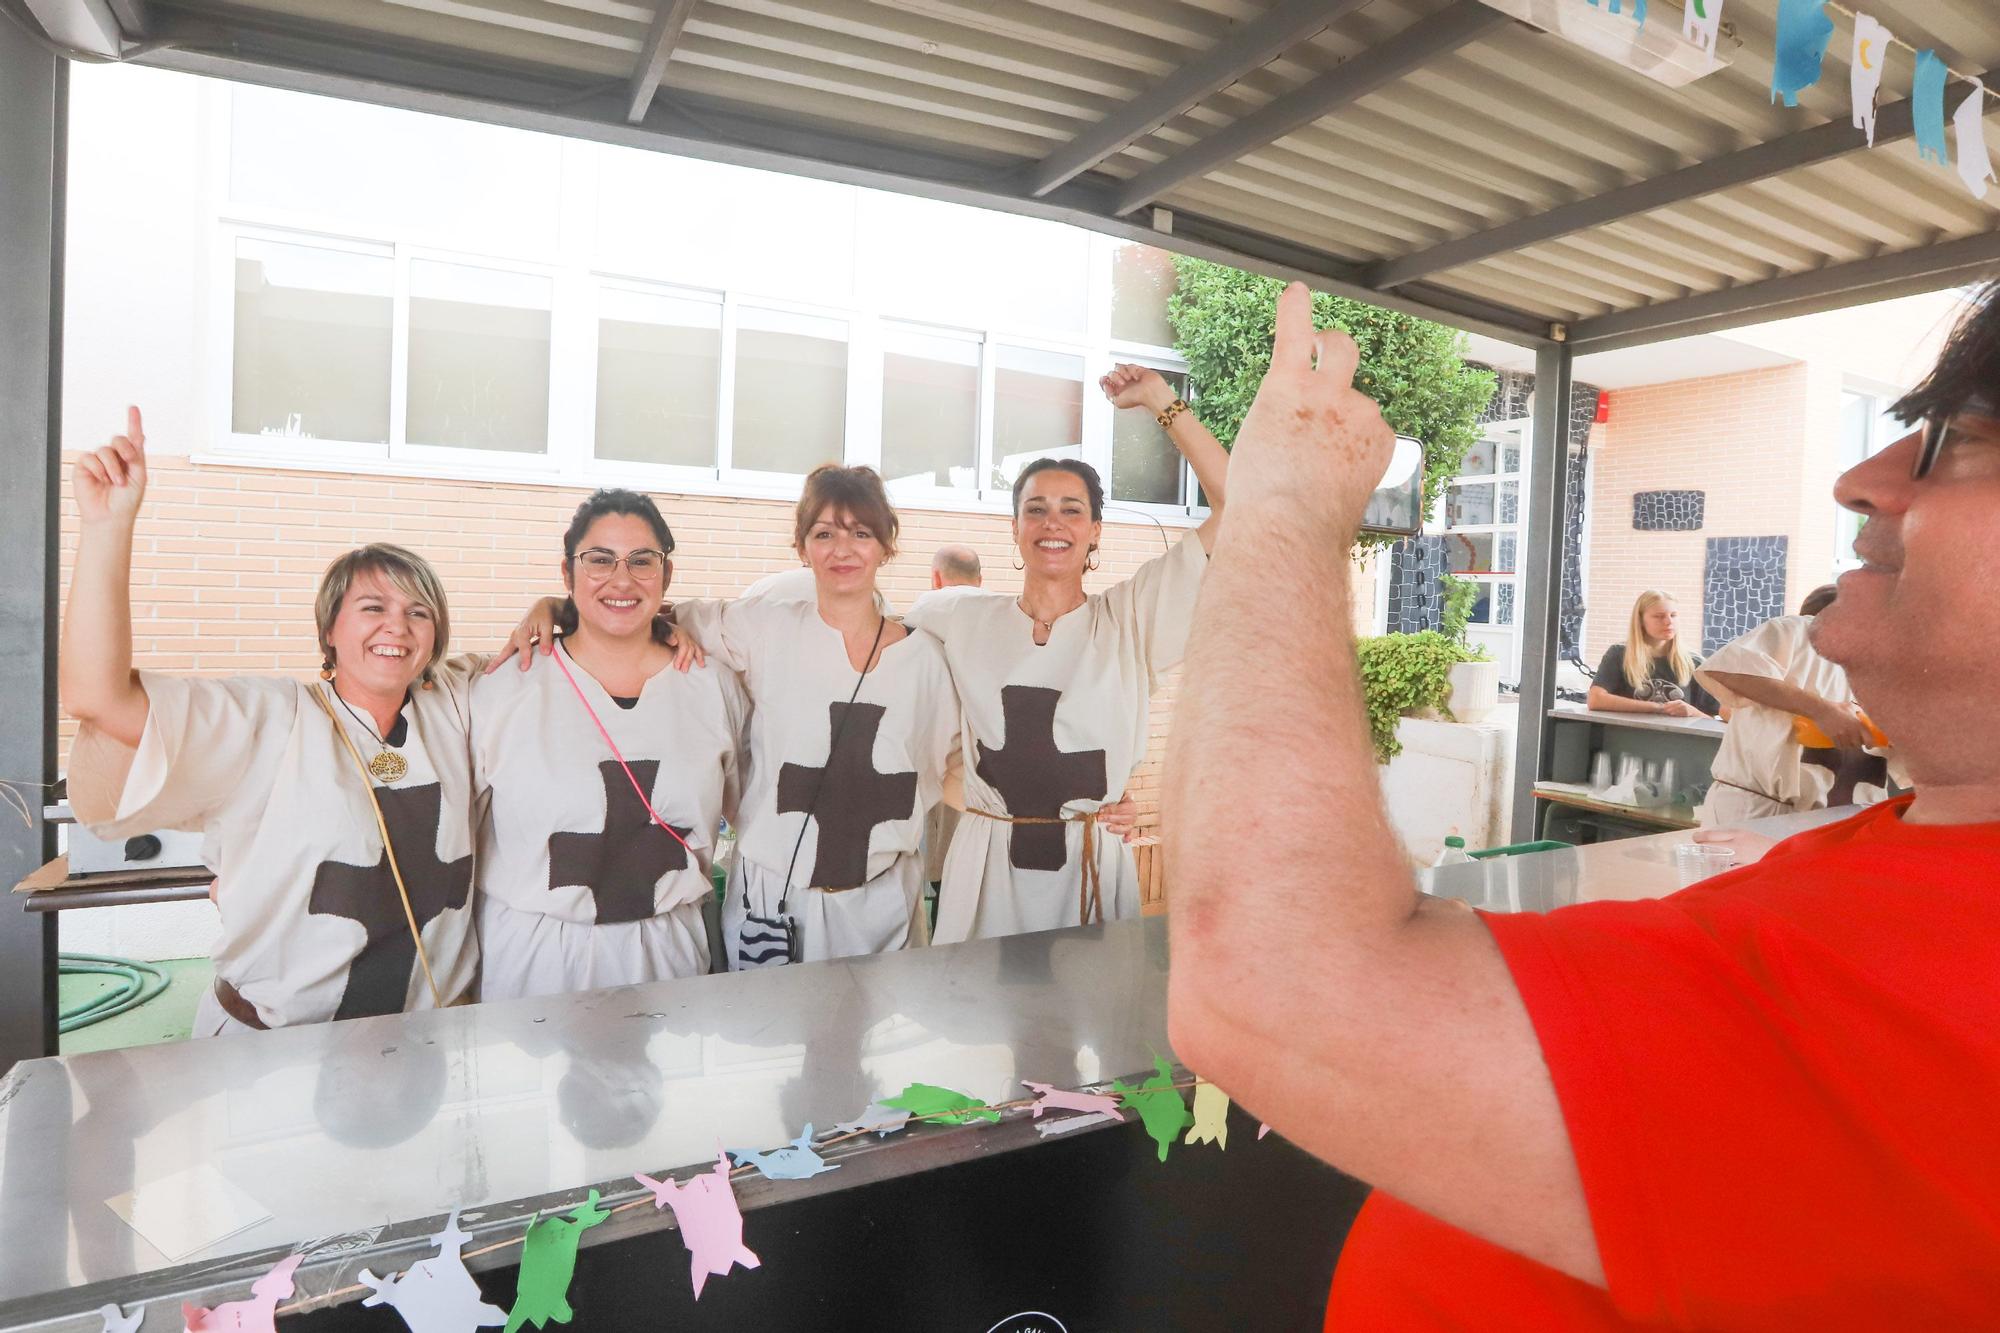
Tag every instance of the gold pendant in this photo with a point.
(388, 766)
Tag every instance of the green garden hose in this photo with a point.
(140, 983)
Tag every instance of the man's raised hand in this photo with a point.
(110, 482)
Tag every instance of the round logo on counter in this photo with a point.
(1029, 1321)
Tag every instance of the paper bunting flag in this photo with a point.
(929, 1102)
(1211, 1116)
(117, 1321)
(1927, 96)
(1864, 71)
(1048, 1097)
(1160, 1108)
(1700, 21)
(437, 1295)
(711, 1224)
(876, 1118)
(1262, 1130)
(1638, 9)
(1803, 32)
(251, 1316)
(795, 1161)
(1968, 125)
(548, 1262)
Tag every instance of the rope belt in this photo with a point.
(1089, 896)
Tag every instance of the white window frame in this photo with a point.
(1879, 437)
(1490, 431)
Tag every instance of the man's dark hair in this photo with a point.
(1967, 370)
(1075, 467)
(1819, 599)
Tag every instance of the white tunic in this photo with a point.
(1053, 728)
(313, 927)
(1759, 755)
(580, 889)
(857, 880)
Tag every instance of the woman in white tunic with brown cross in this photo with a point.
(854, 722)
(320, 920)
(602, 776)
(1055, 686)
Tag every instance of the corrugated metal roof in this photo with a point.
(1496, 127)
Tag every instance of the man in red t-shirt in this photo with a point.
(1768, 1102)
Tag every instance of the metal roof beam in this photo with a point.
(86, 26)
(1353, 79)
(1904, 273)
(654, 52)
(1788, 152)
(1251, 47)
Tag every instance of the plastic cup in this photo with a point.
(1600, 771)
(1696, 861)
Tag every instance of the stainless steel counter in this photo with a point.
(1706, 727)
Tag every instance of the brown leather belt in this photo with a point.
(237, 1007)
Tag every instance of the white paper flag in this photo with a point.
(1968, 125)
(1864, 71)
(1699, 20)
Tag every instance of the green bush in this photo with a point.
(1403, 674)
(1460, 596)
(1224, 320)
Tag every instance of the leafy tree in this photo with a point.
(1224, 320)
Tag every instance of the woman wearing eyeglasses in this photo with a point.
(600, 777)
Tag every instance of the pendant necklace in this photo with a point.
(387, 765)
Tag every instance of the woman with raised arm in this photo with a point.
(602, 777)
(1056, 687)
(854, 723)
(334, 815)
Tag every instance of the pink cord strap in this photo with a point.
(559, 654)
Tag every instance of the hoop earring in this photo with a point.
(1018, 564)
(325, 668)
(1090, 560)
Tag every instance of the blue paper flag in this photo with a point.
(1804, 29)
(795, 1161)
(1927, 93)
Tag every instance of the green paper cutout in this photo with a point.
(1159, 1106)
(932, 1102)
(548, 1262)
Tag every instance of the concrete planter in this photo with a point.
(1475, 690)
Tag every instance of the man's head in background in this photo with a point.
(955, 567)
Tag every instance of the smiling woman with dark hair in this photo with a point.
(602, 777)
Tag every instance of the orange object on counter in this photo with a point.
(1807, 733)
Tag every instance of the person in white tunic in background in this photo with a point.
(1769, 677)
(601, 776)
(830, 836)
(955, 571)
(277, 775)
(1056, 686)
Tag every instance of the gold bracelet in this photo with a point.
(1174, 409)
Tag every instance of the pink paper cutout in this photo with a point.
(1048, 1097)
(437, 1295)
(1262, 1130)
(711, 1224)
(254, 1315)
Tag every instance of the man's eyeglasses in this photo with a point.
(1938, 430)
(643, 564)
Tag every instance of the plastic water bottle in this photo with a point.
(1453, 854)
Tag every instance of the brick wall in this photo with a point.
(226, 561)
(1753, 443)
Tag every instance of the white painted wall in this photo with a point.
(1451, 778)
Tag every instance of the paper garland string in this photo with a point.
(795, 1161)
(927, 1101)
(711, 1224)
(251, 1316)
(437, 1295)
(548, 1262)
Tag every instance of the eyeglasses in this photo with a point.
(643, 563)
(1937, 431)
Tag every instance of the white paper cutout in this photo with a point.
(1050, 1128)
(117, 1321)
(437, 1295)
(1968, 124)
(1699, 22)
(876, 1118)
(1864, 71)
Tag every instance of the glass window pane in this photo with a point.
(1145, 466)
(1503, 604)
(1469, 552)
(930, 410)
(479, 358)
(1479, 459)
(1037, 409)
(1142, 278)
(312, 355)
(1482, 607)
(659, 365)
(1504, 562)
(1468, 504)
(1510, 502)
(791, 391)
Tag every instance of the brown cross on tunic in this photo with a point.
(622, 865)
(848, 797)
(378, 980)
(1036, 778)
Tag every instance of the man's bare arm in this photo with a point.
(1838, 721)
(1378, 1029)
